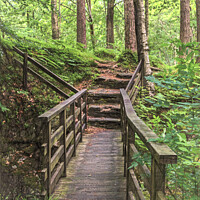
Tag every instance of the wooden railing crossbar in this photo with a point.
(44, 69)
(31, 71)
(132, 80)
(72, 114)
(161, 154)
(136, 81)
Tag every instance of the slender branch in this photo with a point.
(118, 3)
(68, 7)
(120, 12)
(73, 2)
(9, 4)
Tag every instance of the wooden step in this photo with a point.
(124, 75)
(113, 83)
(109, 123)
(103, 96)
(112, 111)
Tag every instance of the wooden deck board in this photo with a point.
(97, 170)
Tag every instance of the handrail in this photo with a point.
(72, 116)
(47, 71)
(161, 154)
(136, 81)
(47, 116)
(31, 71)
(130, 83)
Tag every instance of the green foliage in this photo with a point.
(3, 108)
(175, 117)
(105, 53)
(72, 64)
(164, 28)
(127, 57)
(140, 159)
(156, 62)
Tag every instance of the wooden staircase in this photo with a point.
(97, 169)
(103, 98)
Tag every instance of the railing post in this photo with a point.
(142, 73)
(49, 158)
(25, 71)
(122, 123)
(157, 178)
(142, 79)
(63, 139)
(80, 118)
(130, 140)
(74, 127)
(125, 144)
(85, 109)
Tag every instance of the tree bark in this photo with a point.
(130, 35)
(198, 24)
(54, 20)
(147, 17)
(110, 24)
(142, 42)
(81, 23)
(91, 23)
(59, 13)
(185, 32)
(138, 35)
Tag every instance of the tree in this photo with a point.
(91, 23)
(81, 23)
(110, 24)
(130, 35)
(185, 32)
(54, 20)
(142, 43)
(198, 23)
(147, 17)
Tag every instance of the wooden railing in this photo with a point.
(161, 155)
(61, 140)
(27, 69)
(135, 82)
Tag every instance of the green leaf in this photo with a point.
(3, 108)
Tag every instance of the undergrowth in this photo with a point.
(173, 113)
(127, 58)
(106, 54)
(20, 137)
(70, 63)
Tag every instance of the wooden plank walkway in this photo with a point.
(96, 173)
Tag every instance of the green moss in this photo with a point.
(127, 58)
(72, 63)
(105, 53)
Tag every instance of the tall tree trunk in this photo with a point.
(147, 17)
(54, 20)
(198, 24)
(142, 42)
(138, 35)
(110, 24)
(59, 13)
(81, 23)
(28, 18)
(185, 32)
(91, 23)
(130, 35)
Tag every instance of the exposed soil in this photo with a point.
(107, 69)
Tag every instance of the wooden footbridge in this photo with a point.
(78, 165)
